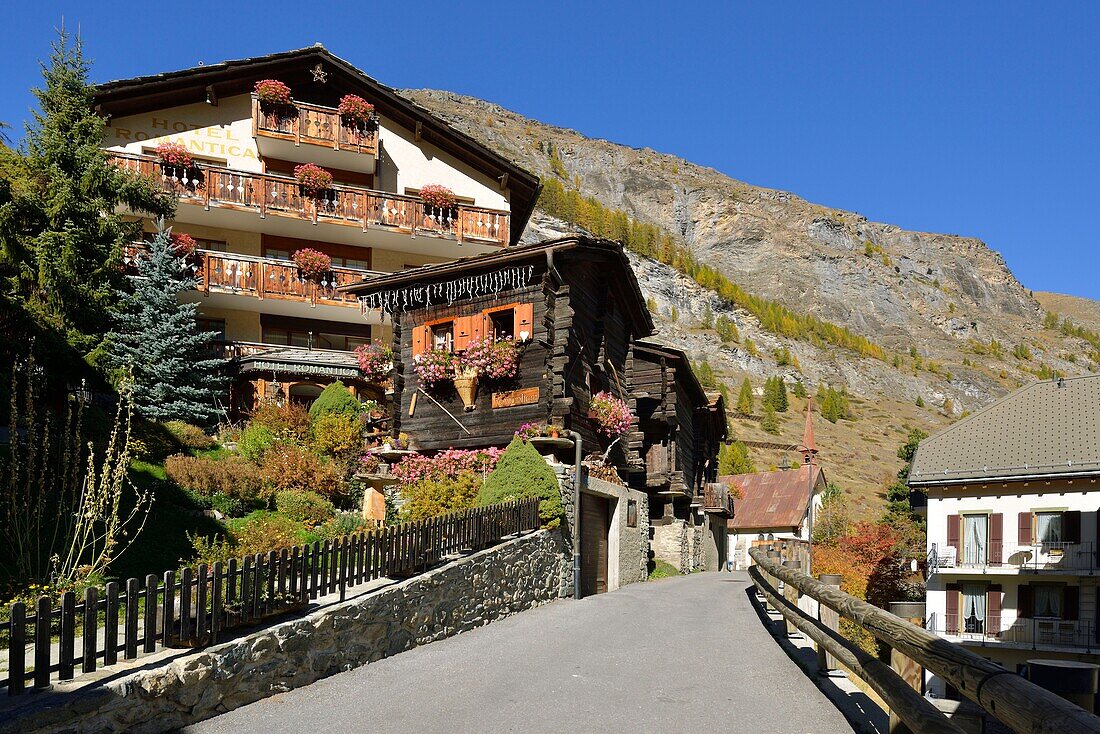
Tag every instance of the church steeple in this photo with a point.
(809, 448)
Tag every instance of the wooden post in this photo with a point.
(909, 669)
(773, 555)
(17, 648)
(791, 593)
(830, 619)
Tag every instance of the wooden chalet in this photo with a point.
(574, 306)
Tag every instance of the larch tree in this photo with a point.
(745, 398)
(158, 340)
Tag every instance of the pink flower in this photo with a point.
(311, 263)
(355, 108)
(272, 91)
(183, 245)
(434, 366)
(494, 360)
(375, 361)
(612, 415)
(313, 178)
(437, 195)
(174, 154)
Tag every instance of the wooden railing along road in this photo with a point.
(353, 206)
(199, 605)
(263, 277)
(1015, 701)
(313, 124)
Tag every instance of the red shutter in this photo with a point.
(951, 624)
(1071, 602)
(993, 609)
(477, 326)
(1025, 601)
(1071, 526)
(524, 320)
(1024, 525)
(953, 523)
(462, 332)
(996, 538)
(420, 339)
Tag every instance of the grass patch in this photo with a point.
(662, 570)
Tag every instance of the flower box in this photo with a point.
(313, 180)
(437, 196)
(355, 111)
(375, 361)
(174, 154)
(311, 263)
(273, 92)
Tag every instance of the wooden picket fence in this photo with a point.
(196, 606)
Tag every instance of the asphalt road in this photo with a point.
(687, 654)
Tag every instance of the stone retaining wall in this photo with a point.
(460, 596)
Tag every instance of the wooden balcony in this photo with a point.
(274, 195)
(309, 124)
(716, 498)
(225, 272)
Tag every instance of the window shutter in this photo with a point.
(1025, 601)
(993, 609)
(953, 522)
(996, 538)
(951, 625)
(1024, 526)
(524, 320)
(462, 333)
(420, 339)
(1071, 526)
(1071, 602)
(477, 326)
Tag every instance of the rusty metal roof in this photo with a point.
(1046, 429)
(772, 499)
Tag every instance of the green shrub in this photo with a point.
(662, 570)
(151, 441)
(337, 434)
(432, 497)
(342, 525)
(335, 398)
(264, 531)
(231, 506)
(254, 441)
(190, 436)
(308, 508)
(233, 477)
(521, 472)
(288, 422)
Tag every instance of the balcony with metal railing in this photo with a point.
(1022, 633)
(1052, 558)
(260, 277)
(274, 197)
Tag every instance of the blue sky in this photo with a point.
(980, 119)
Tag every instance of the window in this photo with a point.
(276, 254)
(443, 336)
(973, 607)
(503, 323)
(975, 539)
(1048, 527)
(215, 325)
(1048, 600)
(286, 337)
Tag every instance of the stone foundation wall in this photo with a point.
(671, 543)
(460, 596)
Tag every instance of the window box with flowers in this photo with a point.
(439, 202)
(434, 366)
(313, 181)
(356, 112)
(176, 162)
(183, 245)
(375, 361)
(612, 416)
(273, 93)
(311, 263)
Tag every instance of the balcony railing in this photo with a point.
(225, 272)
(353, 206)
(1034, 633)
(313, 125)
(1054, 557)
(716, 498)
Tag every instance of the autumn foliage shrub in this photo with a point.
(293, 467)
(336, 434)
(233, 477)
(190, 436)
(264, 531)
(290, 421)
(308, 508)
(432, 497)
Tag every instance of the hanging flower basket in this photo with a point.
(273, 92)
(183, 245)
(437, 196)
(313, 180)
(355, 111)
(612, 415)
(375, 361)
(435, 366)
(174, 154)
(466, 386)
(312, 264)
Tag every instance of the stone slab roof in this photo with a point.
(1046, 429)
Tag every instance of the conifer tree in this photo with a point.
(159, 341)
(775, 394)
(733, 458)
(770, 424)
(708, 317)
(799, 390)
(745, 398)
(63, 236)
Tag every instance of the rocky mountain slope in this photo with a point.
(959, 330)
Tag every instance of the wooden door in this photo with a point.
(595, 521)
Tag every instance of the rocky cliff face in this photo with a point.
(926, 297)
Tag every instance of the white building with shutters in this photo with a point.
(1013, 518)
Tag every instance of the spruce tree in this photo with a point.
(63, 235)
(770, 424)
(745, 398)
(708, 317)
(159, 341)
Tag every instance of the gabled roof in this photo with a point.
(772, 499)
(703, 400)
(187, 86)
(511, 255)
(1044, 430)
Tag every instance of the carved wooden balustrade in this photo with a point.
(269, 194)
(314, 125)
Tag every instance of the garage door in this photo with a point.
(595, 521)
